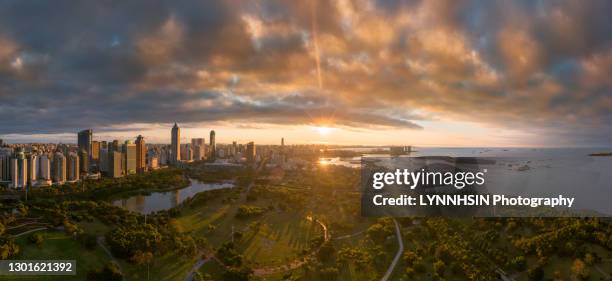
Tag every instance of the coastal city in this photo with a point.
(306, 140)
(35, 165)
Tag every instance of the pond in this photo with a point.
(157, 201)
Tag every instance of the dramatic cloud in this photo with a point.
(542, 67)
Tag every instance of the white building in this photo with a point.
(33, 169)
(59, 168)
(19, 171)
(72, 167)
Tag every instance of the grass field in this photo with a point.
(281, 235)
(57, 246)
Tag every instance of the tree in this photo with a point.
(110, 272)
(37, 239)
(326, 252)
(579, 270)
(410, 258)
(329, 273)
(141, 258)
(8, 248)
(378, 232)
(536, 273)
(237, 274)
(439, 267)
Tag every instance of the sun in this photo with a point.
(324, 131)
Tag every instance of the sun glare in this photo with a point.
(324, 131)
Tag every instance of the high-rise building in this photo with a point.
(72, 167)
(250, 152)
(197, 141)
(104, 159)
(58, 169)
(95, 154)
(129, 155)
(32, 168)
(85, 138)
(176, 143)
(282, 142)
(213, 145)
(198, 152)
(116, 145)
(197, 148)
(84, 161)
(19, 170)
(186, 153)
(115, 164)
(5, 164)
(234, 149)
(141, 154)
(44, 168)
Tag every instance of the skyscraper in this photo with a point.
(141, 154)
(250, 152)
(44, 168)
(129, 155)
(83, 161)
(197, 141)
(5, 164)
(116, 145)
(197, 148)
(85, 138)
(115, 163)
(32, 169)
(58, 169)
(95, 154)
(176, 143)
(213, 145)
(19, 170)
(72, 167)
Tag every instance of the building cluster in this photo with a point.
(48, 164)
(23, 165)
(198, 149)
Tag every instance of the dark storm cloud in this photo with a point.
(540, 66)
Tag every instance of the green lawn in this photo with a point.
(168, 267)
(57, 246)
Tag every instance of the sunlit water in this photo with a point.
(157, 201)
(570, 172)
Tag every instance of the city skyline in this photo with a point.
(423, 73)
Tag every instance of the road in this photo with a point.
(101, 240)
(196, 266)
(398, 255)
(29, 231)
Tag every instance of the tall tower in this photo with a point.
(176, 143)
(213, 146)
(19, 170)
(141, 154)
(250, 153)
(72, 167)
(84, 140)
(59, 168)
(129, 155)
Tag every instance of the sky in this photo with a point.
(428, 73)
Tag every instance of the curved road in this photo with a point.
(398, 255)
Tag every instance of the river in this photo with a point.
(157, 201)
